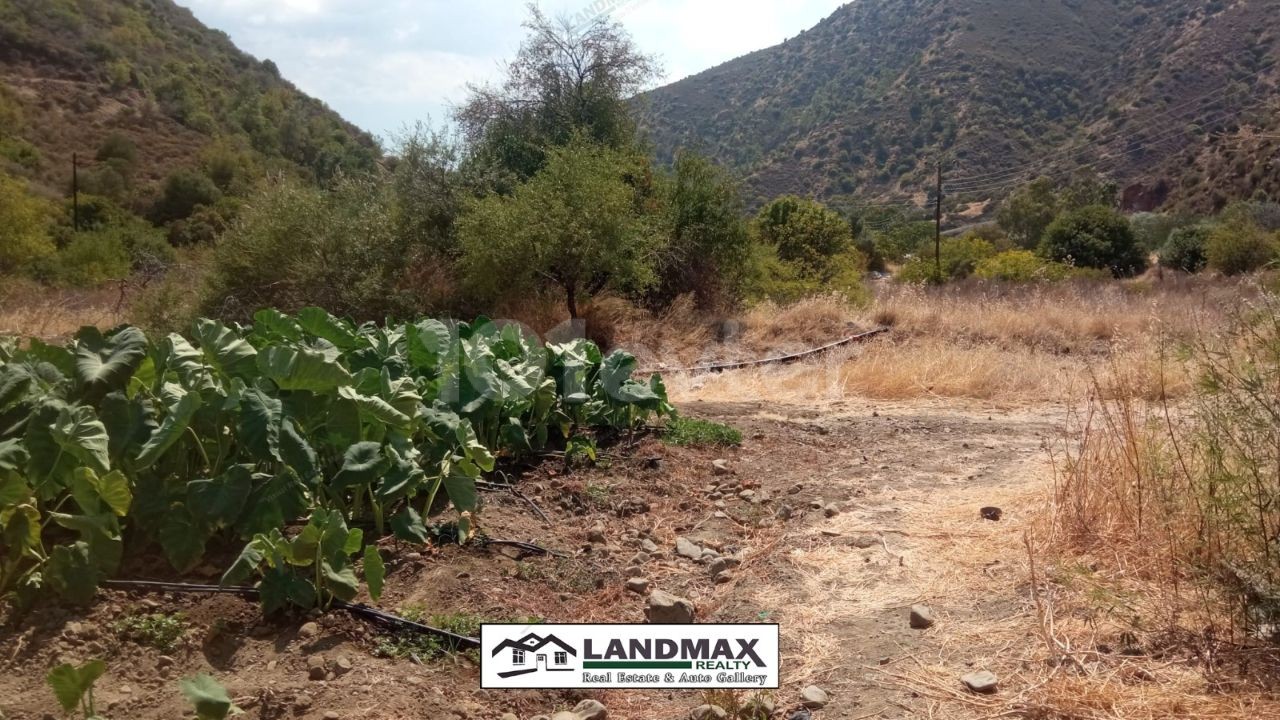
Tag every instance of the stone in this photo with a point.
(688, 548)
(723, 577)
(814, 697)
(864, 542)
(639, 558)
(342, 666)
(748, 495)
(784, 512)
(921, 617)
(126, 689)
(309, 630)
(316, 668)
(720, 467)
(331, 715)
(665, 608)
(302, 702)
(633, 571)
(564, 715)
(649, 546)
(638, 585)
(718, 566)
(991, 513)
(590, 710)
(983, 682)
(164, 661)
(596, 534)
(801, 714)
(708, 555)
(708, 712)
(510, 716)
(831, 510)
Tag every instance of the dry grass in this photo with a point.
(28, 309)
(988, 342)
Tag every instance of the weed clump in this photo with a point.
(685, 431)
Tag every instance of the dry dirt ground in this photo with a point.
(883, 502)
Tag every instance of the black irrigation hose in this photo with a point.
(358, 609)
(781, 359)
(527, 547)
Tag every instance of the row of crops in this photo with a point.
(305, 438)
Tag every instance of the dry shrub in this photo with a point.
(1164, 535)
(804, 324)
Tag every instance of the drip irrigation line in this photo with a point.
(358, 609)
(781, 359)
(527, 547)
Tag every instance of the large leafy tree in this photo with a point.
(804, 232)
(566, 80)
(24, 226)
(708, 243)
(1027, 213)
(1095, 237)
(574, 226)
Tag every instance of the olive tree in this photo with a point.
(574, 226)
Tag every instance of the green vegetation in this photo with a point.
(233, 432)
(209, 699)
(423, 647)
(1185, 249)
(158, 630)
(73, 686)
(693, 432)
(1240, 246)
(801, 248)
(1096, 237)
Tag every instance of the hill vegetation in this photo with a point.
(1169, 99)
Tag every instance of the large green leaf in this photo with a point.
(362, 464)
(220, 501)
(209, 698)
(272, 323)
(13, 455)
(70, 683)
(296, 452)
(71, 573)
(129, 422)
(13, 489)
(106, 362)
(407, 525)
(246, 563)
(81, 435)
(321, 324)
(260, 416)
(340, 582)
(15, 382)
(176, 421)
(182, 539)
(374, 571)
(375, 407)
(223, 349)
(281, 587)
(302, 369)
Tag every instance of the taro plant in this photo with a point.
(73, 686)
(311, 569)
(229, 434)
(209, 698)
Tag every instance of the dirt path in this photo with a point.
(908, 481)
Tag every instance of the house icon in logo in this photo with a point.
(527, 655)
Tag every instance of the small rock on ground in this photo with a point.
(921, 617)
(688, 548)
(720, 467)
(992, 513)
(983, 682)
(309, 630)
(590, 710)
(509, 716)
(638, 585)
(708, 712)
(814, 697)
(665, 608)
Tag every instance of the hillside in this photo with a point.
(1166, 97)
(146, 73)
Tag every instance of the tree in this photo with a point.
(24, 233)
(573, 226)
(707, 241)
(1085, 191)
(1185, 249)
(566, 80)
(428, 190)
(804, 232)
(183, 192)
(1026, 214)
(1096, 237)
(1239, 246)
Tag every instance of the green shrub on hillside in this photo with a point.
(1021, 266)
(1237, 247)
(1186, 249)
(24, 226)
(1094, 237)
(960, 257)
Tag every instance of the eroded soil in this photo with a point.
(883, 503)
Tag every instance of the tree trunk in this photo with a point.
(571, 297)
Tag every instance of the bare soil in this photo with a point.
(884, 503)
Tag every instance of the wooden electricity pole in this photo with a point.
(937, 227)
(75, 192)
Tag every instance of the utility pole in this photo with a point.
(75, 192)
(937, 226)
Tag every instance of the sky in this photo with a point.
(386, 64)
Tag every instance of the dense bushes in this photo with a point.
(1021, 266)
(1096, 237)
(803, 247)
(24, 221)
(1185, 249)
(1239, 246)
